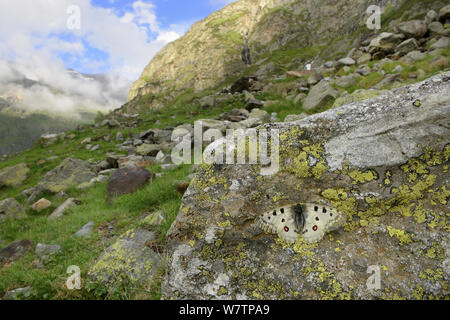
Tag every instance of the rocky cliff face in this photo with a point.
(281, 34)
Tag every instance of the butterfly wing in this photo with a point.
(319, 219)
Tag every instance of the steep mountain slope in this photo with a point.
(281, 34)
(32, 107)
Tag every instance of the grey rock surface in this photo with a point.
(382, 163)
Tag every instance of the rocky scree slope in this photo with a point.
(280, 35)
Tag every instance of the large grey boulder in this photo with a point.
(442, 43)
(321, 94)
(128, 180)
(71, 172)
(381, 165)
(414, 28)
(14, 176)
(444, 13)
(407, 46)
(385, 42)
(11, 209)
(128, 261)
(14, 251)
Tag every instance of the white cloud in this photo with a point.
(34, 33)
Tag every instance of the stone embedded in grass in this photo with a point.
(444, 13)
(413, 28)
(14, 176)
(442, 43)
(41, 205)
(11, 209)
(129, 261)
(346, 62)
(61, 210)
(71, 172)
(44, 251)
(126, 181)
(320, 94)
(148, 149)
(154, 219)
(14, 251)
(86, 230)
(259, 114)
(18, 293)
(406, 46)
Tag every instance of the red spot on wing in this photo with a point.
(315, 228)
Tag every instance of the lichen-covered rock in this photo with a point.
(71, 172)
(130, 261)
(321, 94)
(11, 209)
(413, 28)
(358, 95)
(14, 176)
(14, 251)
(382, 163)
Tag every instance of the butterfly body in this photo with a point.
(309, 220)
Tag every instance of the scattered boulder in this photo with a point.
(365, 57)
(241, 84)
(41, 205)
(48, 139)
(444, 13)
(208, 102)
(45, 251)
(129, 260)
(346, 81)
(62, 209)
(321, 94)
(259, 114)
(436, 28)
(385, 43)
(253, 103)
(14, 251)
(148, 149)
(11, 209)
(154, 219)
(86, 230)
(414, 28)
(414, 56)
(18, 293)
(442, 43)
(406, 46)
(346, 62)
(110, 123)
(14, 176)
(431, 17)
(207, 124)
(70, 172)
(162, 136)
(388, 79)
(129, 180)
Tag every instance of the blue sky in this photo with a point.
(116, 38)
